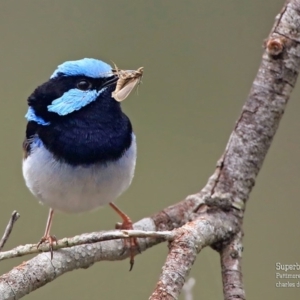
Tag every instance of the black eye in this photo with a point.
(84, 85)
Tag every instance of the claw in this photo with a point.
(131, 243)
(127, 225)
(50, 239)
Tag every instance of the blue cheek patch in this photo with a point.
(73, 100)
(31, 116)
(89, 67)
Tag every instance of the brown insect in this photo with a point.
(127, 81)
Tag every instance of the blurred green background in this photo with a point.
(200, 58)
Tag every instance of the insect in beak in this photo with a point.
(127, 80)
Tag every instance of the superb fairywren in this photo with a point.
(79, 150)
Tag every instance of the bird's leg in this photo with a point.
(126, 225)
(51, 239)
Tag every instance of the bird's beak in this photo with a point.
(113, 79)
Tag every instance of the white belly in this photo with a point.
(76, 189)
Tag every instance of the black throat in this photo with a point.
(97, 133)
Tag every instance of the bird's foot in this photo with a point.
(131, 243)
(50, 239)
(127, 225)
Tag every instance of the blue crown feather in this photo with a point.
(89, 67)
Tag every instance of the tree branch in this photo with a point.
(232, 277)
(190, 239)
(13, 219)
(87, 238)
(247, 147)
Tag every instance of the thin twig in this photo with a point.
(14, 217)
(187, 289)
(88, 238)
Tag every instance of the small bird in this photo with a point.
(79, 149)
